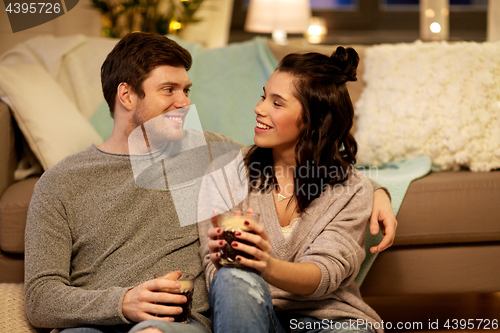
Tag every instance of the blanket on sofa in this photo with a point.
(396, 177)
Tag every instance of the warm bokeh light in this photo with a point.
(317, 30)
(430, 13)
(174, 25)
(435, 27)
(314, 30)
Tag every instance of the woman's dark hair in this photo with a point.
(134, 57)
(326, 150)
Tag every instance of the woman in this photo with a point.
(313, 205)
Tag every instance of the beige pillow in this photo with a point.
(440, 100)
(49, 121)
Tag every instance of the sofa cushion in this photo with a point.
(13, 211)
(443, 269)
(431, 99)
(8, 156)
(450, 207)
(49, 121)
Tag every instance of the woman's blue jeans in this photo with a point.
(241, 303)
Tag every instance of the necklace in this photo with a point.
(281, 197)
(278, 214)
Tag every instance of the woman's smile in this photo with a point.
(261, 127)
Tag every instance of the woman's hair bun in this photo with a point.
(346, 60)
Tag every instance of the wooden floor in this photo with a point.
(426, 314)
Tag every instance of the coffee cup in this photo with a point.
(186, 280)
(230, 223)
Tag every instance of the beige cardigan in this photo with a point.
(331, 235)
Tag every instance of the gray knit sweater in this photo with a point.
(92, 234)
(331, 235)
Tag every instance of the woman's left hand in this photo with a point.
(261, 252)
(382, 218)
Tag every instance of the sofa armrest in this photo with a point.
(8, 156)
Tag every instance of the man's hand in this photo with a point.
(382, 217)
(140, 303)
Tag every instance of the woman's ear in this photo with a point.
(125, 96)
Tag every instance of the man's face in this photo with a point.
(161, 110)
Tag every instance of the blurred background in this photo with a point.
(217, 22)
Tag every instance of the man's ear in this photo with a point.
(125, 96)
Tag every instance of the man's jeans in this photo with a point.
(241, 302)
(165, 327)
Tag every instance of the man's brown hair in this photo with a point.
(134, 57)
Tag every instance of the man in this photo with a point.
(95, 236)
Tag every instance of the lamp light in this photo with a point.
(278, 17)
(317, 30)
(434, 20)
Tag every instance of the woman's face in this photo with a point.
(279, 114)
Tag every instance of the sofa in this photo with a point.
(448, 237)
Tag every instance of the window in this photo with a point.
(455, 5)
(381, 18)
(334, 4)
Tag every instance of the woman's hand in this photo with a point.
(301, 278)
(214, 244)
(382, 218)
(261, 251)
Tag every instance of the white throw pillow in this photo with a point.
(440, 100)
(50, 122)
